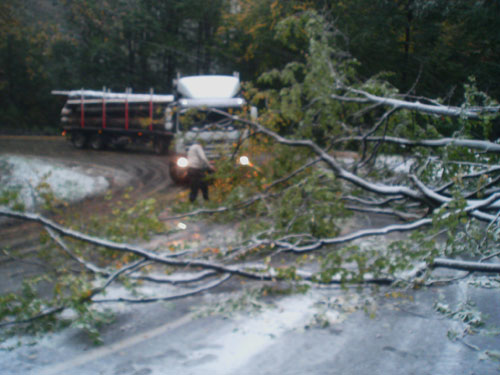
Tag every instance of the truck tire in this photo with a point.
(97, 141)
(79, 140)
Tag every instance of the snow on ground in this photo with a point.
(249, 335)
(29, 175)
(396, 163)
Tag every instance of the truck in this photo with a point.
(171, 123)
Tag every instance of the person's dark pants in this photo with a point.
(197, 181)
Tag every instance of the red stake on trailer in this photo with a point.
(151, 111)
(103, 108)
(82, 115)
(126, 111)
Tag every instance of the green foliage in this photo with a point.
(72, 288)
(249, 35)
(129, 220)
(466, 313)
(143, 44)
(312, 207)
(298, 97)
(11, 198)
(90, 320)
(71, 291)
(25, 305)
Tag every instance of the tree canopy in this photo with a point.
(428, 48)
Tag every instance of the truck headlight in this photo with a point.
(182, 162)
(244, 160)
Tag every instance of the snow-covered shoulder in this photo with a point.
(30, 176)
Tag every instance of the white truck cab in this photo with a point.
(196, 116)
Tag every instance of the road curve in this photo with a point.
(136, 168)
(149, 172)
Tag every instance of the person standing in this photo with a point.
(198, 167)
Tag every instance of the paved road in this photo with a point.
(395, 336)
(137, 168)
(368, 332)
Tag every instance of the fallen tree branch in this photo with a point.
(339, 171)
(436, 109)
(167, 298)
(43, 314)
(483, 189)
(87, 265)
(248, 202)
(149, 255)
(176, 279)
(442, 142)
(473, 205)
(399, 214)
(354, 236)
(369, 202)
(384, 119)
(466, 265)
(257, 271)
(115, 275)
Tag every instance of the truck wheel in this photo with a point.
(79, 140)
(97, 141)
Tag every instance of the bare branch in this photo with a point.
(481, 173)
(436, 109)
(115, 275)
(473, 205)
(148, 255)
(176, 279)
(350, 99)
(402, 215)
(43, 314)
(442, 142)
(367, 202)
(168, 298)
(87, 265)
(490, 256)
(315, 245)
(466, 266)
(483, 189)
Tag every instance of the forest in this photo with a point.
(424, 48)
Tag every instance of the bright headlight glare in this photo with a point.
(182, 162)
(244, 160)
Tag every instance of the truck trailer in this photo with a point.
(100, 118)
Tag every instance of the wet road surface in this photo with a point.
(325, 331)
